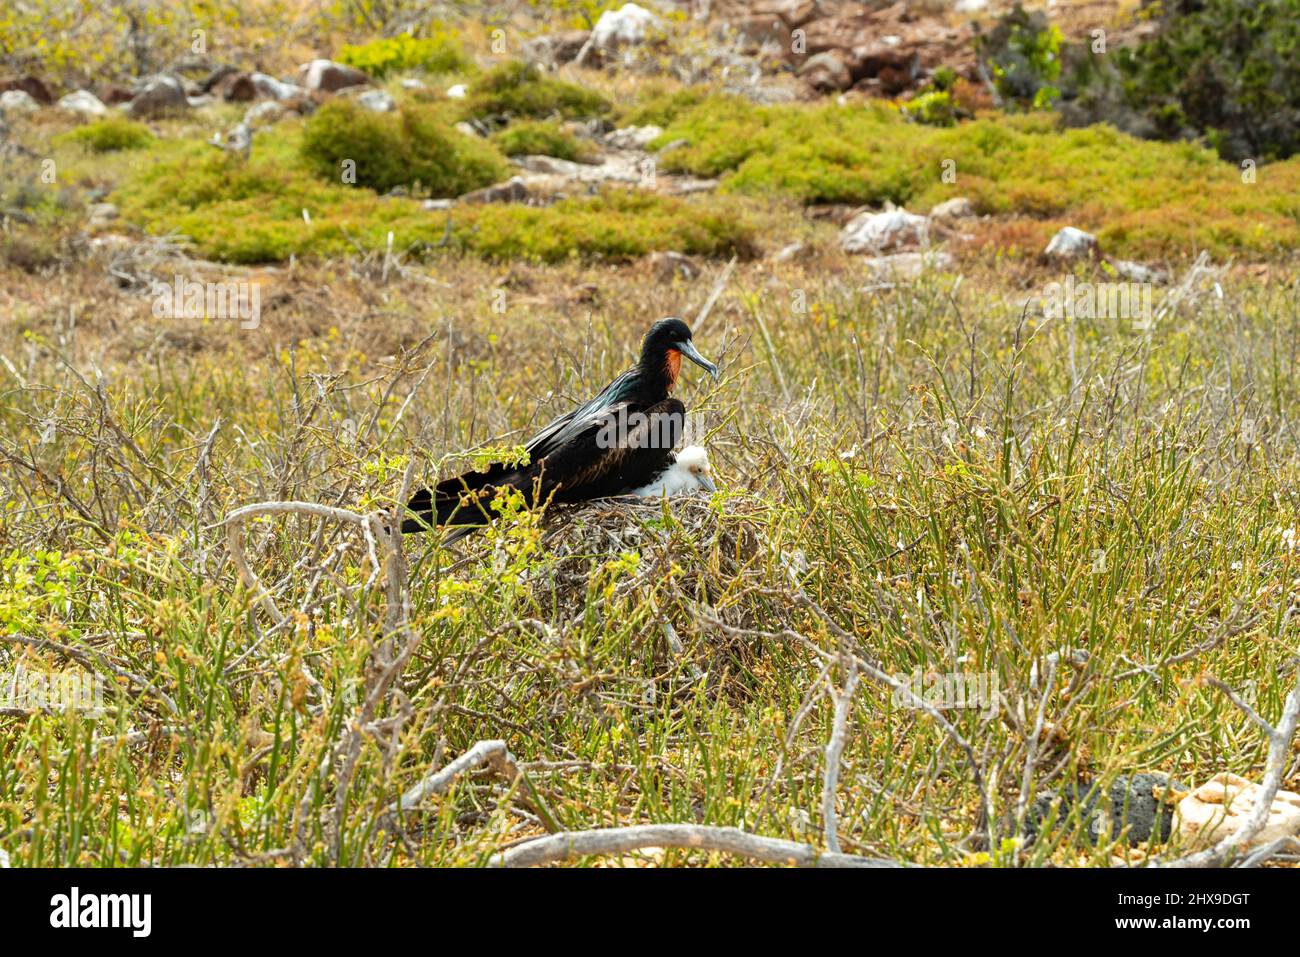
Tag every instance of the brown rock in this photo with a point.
(113, 95)
(827, 72)
(237, 88)
(32, 85)
(770, 30)
(512, 190)
(326, 76)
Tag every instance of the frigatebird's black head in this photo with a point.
(665, 344)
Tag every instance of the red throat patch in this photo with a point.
(673, 365)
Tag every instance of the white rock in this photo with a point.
(634, 137)
(411, 83)
(970, 6)
(457, 92)
(377, 100)
(276, 89)
(467, 129)
(84, 103)
(628, 25)
(17, 101)
(878, 232)
(959, 207)
(1071, 243)
(1137, 272)
(264, 114)
(1219, 806)
(907, 265)
(790, 252)
(99, 215)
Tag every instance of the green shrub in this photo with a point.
(379, 58)
(414, 145)
(109, 134)
(1141, 198)
(617, 224)
(1227, 70)
(660, 109)
(544, 138)
(1023, 53)
(251, 212)
(518, 89)
(933, 108)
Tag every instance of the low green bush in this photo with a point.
(544, 138)
(617, 224)
(1143, 198)
(109, 135)
(518, 89)
(409, 147)
(252, 212)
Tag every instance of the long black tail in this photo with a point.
(461, 502)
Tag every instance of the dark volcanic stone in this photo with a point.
(1130, 803)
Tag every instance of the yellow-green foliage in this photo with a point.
(541, 137)
(253, 212)
(520, 89)
(618, 224)
(380, 57)
(109, 135)
(1140, 197)
(80, 37)
(414, 145)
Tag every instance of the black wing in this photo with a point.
(572, 424)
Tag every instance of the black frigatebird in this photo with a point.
(614, 444)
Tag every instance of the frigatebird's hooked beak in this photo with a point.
(707, 482)
(689, 351)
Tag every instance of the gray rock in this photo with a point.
(159, 96)
(512, 190)
(434, 205)
(1129, 807)
(238, 140)
(99, 215)
(265, 113)
(1137, 272)
(959, 207)
(378, 101)
(634, 137)
(672, 265)
(790, 252)
(1071, 243)
(827, 73)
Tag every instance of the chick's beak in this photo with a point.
(689, 351)
(706, 481)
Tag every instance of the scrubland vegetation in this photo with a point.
(917, 477)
